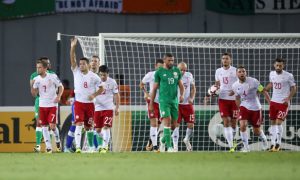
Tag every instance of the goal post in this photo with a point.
(130, 56)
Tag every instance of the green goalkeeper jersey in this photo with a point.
(167, 80)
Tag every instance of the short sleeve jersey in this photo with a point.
(105, 101)
(248, 92)
(85, 85)
(226, 77)
(282, 84)
(167, 80)
(47, 87)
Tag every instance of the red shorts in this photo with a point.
(103, 118)
(186, 112)
(254, 117)
(278, 111)
(155, 113)
(228, 108)
(84, 112)
(47, 115)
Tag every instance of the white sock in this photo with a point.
(56, 135)
(106, 137)
(153, 135)
(78, 133)
(279, 134)
(39, 129)
(273, 134)
(46, 135)
(189, 132)
(228, 136)
(262, 136)
(244, 137)
(175, 137)
(233, 132)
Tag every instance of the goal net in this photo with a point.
(131, 56)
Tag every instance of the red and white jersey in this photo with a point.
(84, 85)
(226, 77)
(149, 78)
(248, 93)
(47, 87)
(282, 84)
(187, 80)
(105, 101)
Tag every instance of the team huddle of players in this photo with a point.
(170, 100)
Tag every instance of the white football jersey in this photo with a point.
(226, 77)
(105, 101)
(47, 87)
(84, 85)
(248, 93)
(282, 84)
(149, 78)
(187, 80)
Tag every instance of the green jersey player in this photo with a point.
(38, 130)
(167, 79)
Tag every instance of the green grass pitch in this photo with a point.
(136, 165)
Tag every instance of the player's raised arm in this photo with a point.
(72, 53)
